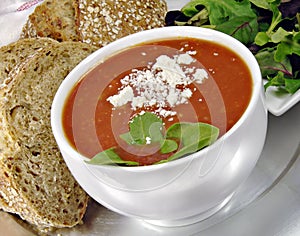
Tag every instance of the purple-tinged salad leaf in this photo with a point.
(269, 28)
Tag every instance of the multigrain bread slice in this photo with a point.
(96, 22)
(35, 181)
(100, 22)
(12, 56)
(54, 19)
(15, 53)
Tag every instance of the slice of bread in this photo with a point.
(35, 181)
(54, 19)
(96, 22)
(100, 22)
(15, 53)
(3, 203)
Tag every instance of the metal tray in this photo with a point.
(267, 203)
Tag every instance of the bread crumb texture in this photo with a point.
(54, 19)
(15, 53)
(35, 181)
(100, 22)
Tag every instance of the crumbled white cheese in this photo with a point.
(173, 96)
(191, 52)
(157, 85)
(148, 140)
(164, 112)
(200, 75)
(185, 59)
(125, 96)
(138, 102)
(187, 93)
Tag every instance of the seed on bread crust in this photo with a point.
(104, 21)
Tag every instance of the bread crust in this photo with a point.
(100, 22)
(35, 181)
(54, 19)
(96, 22)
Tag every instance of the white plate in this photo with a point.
(278, 104)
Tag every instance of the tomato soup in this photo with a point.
(180, 80)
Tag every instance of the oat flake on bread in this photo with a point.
(100, 22)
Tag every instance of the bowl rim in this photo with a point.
(148, 36)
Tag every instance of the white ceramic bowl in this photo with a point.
(180, 192)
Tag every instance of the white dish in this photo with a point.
(207, 178)
(278, 104)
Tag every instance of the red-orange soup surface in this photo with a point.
(92, 124)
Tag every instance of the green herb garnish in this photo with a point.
(109, 157)
(192, 136)
(143, 128)
(180, 138)
(269, 28)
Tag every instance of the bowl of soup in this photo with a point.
(163, 125)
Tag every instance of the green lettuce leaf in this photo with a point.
(235, 18)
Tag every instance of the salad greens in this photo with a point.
(179, 139)
(269, 28)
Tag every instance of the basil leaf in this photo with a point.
(109, 157)
(168, 146)
(127, 138)
(145, 127)
(193, 137)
